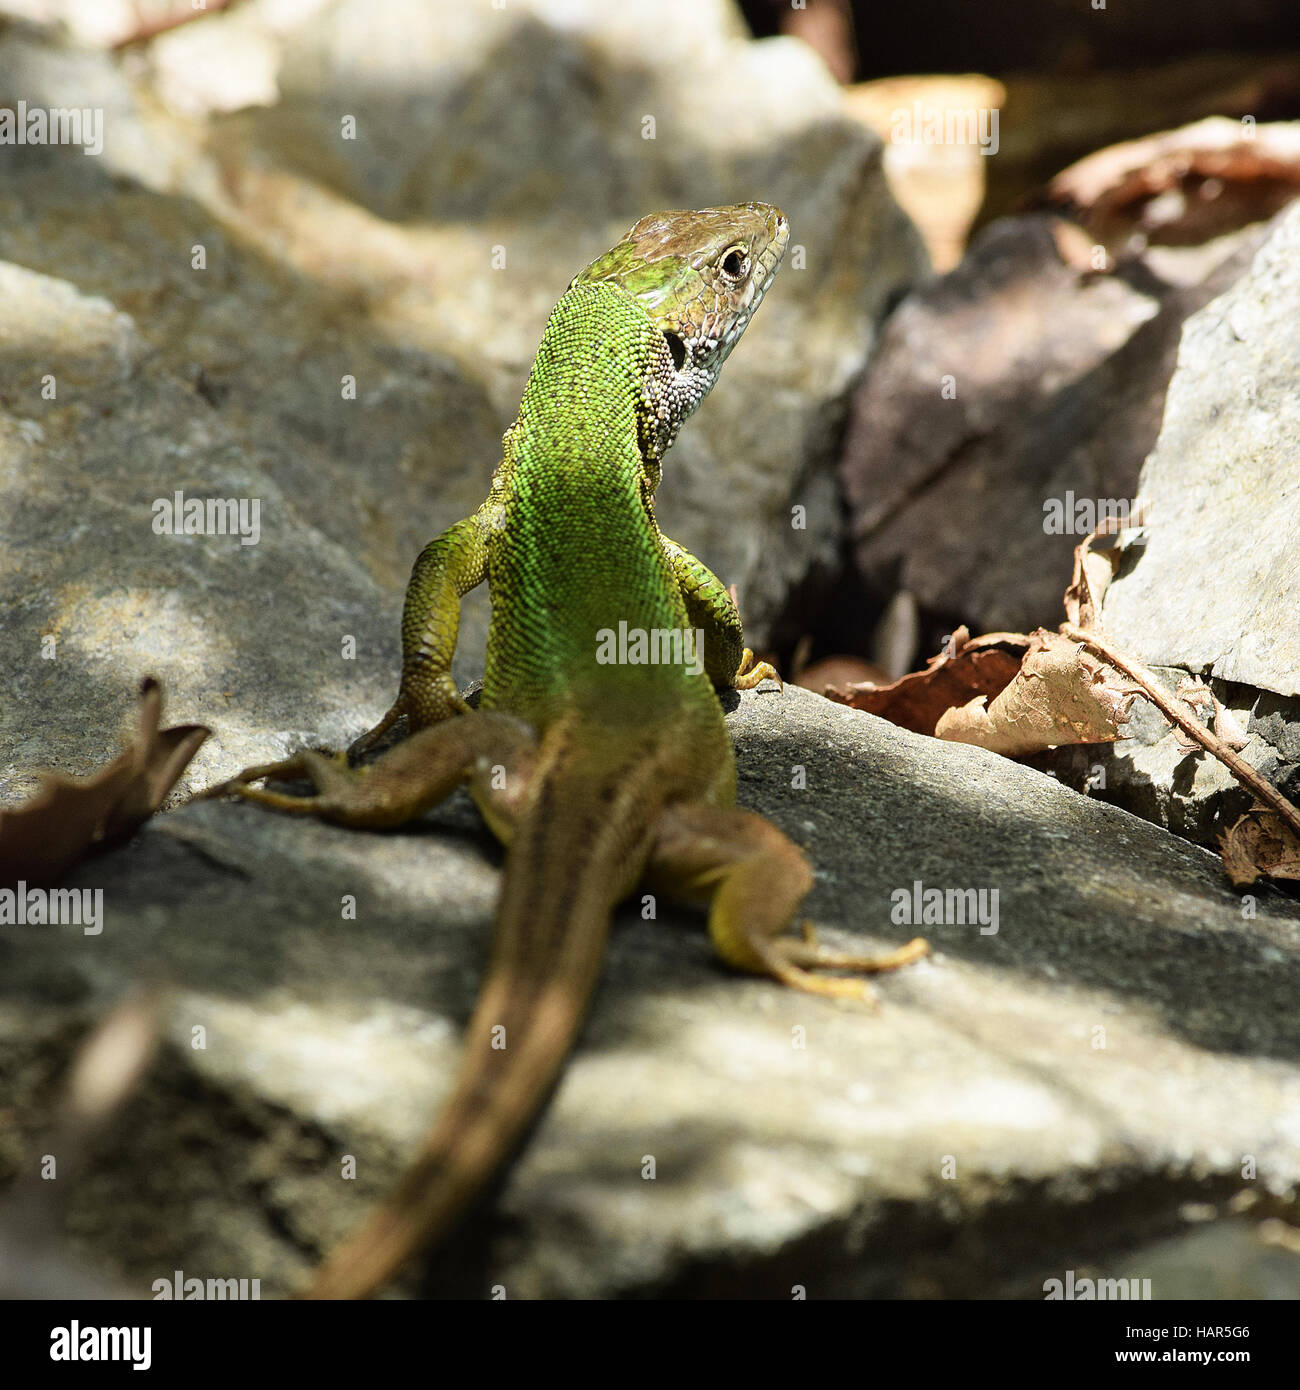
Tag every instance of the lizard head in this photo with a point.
(699, 276)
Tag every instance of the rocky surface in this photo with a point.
(1166, 387)
(1124, 1043)
(495, 152)
(182, 314)
(1210, 584)
(1019, 378)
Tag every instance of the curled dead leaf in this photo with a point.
(1183, 186)
(1061, 694)
(967, 668)
(1093, 571)
(70, 817)
(1198, 696)
(1260, 845)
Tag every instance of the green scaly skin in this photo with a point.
(597, 776)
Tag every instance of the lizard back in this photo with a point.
(578, 553)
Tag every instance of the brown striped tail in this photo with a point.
(568, 858)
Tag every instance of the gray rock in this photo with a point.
(229, 394)
(1211, 584)
(1059, 379)
(1123, 1043)
(972, 1131)
(496, 152)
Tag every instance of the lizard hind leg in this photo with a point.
(405, 782)
(754, 879)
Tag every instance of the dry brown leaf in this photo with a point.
(1227, 727)
(967, 667)
(1061, 695)
(71, 817)
(940, 185)
(1196, 695)
(1075, 686)
(1093, 571)
(1260, 844)
(1186, 185)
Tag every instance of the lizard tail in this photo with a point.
(570, 858)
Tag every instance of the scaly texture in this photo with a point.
(599, 754)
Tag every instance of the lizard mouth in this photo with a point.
(769, 260)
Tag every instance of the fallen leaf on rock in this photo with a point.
(1017, 695)
(1198, 696)
(71, 817)
(939, 183)
(1093, 571)
(1061, 694)
(1184, 186)
(1260, 844)
(966, 668)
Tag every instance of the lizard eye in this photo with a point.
(678, 349)
(735, 263)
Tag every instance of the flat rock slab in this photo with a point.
(1216, 584)
(1126, 1041)
(238, 303)
(1210, 584)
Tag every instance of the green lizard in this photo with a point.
(596, 774)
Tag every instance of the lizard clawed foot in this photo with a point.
(363, 743)
(440, 700)
(329, 774)
(400, 786)
(794, 962)
(751, 673)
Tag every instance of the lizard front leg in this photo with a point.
(447, 569)
(493, 751)
(711, 608)
(754, 879)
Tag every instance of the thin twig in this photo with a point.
(1239, 768)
